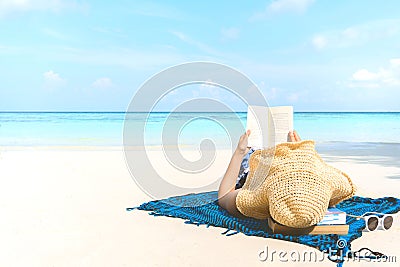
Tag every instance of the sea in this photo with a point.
(190, 128)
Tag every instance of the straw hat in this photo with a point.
(292, 184)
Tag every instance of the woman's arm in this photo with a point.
(226, 192)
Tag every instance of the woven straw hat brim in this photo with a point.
(292, 184)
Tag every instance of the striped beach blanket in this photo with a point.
(203, 209)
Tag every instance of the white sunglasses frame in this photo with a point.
(381, 219)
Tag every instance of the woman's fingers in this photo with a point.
(243, 142)
(243, 137)
(296, 136)
(293, 137)
(248, 132)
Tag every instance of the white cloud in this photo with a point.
(395, 62)
(365, 75)
(103, 83)
(283, 6)
(208, 89)
(298, 6)
(357, 34)
(53, 80)
(319, 42)
(13, 5)
(293, 97)
(230, 33)
(158, 10)
(272, 93)
(383, 77)
(17, 6)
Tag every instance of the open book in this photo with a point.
(269, 126)
(333, 216)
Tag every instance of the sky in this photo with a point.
(317, 55)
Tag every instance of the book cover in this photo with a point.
(339, 229)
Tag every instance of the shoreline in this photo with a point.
(319, 144)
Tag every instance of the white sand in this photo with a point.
(66, 207)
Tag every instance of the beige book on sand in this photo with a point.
(269, 126)
(339, 229)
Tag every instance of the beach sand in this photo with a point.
(65, 206)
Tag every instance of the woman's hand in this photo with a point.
(293, 137)
(242, 147)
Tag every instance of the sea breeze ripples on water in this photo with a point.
(106, 128)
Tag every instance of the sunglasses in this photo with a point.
(375, 220)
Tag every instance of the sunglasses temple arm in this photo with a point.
(371, 212)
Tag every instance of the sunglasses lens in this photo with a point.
(372, 223)
(387, 222)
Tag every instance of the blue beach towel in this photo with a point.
(203, 209)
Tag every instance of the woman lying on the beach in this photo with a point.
(289, 182)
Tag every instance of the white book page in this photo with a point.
(282, 119)
(257, 123)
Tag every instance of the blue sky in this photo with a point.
(317, 55)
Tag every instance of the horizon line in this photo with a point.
(194, 111)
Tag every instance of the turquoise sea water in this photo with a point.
(106, 128)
